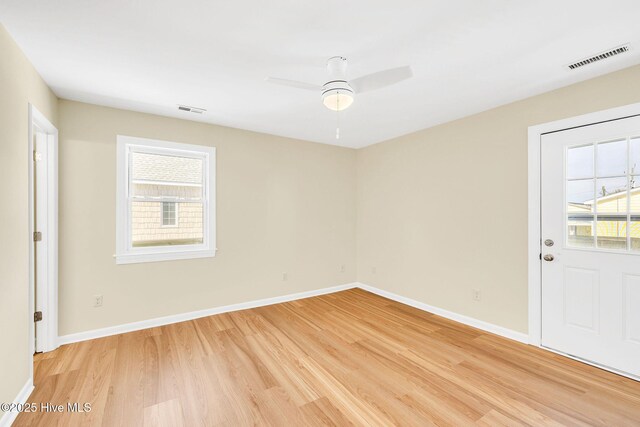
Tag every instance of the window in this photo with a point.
(165, 201)
(169, 214)
(603, 195)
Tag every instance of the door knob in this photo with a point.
(548, 257)
(548, 242)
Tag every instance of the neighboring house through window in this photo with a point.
(165, 202)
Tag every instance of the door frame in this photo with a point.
(49, 239)
(535, 203)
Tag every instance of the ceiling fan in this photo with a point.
(338, 93)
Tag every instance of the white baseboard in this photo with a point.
(470, 321)
(160, 321)
(9, 417)
(166, 320)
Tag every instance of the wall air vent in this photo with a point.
(599, 57)
(195, 110)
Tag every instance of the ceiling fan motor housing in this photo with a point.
(337, 86)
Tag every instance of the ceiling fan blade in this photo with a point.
(381, 79)
(293, 83)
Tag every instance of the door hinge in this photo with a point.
(37, 236)
(37, 316)
(37, 156)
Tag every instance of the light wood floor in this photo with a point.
(345, 358)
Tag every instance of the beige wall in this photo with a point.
(283, 206)
(444, 210)
(19, 86)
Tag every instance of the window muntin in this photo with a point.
(165, 205)
(602, 191)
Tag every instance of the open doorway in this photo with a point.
(43, 222)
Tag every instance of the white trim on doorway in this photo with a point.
(49, 301)
(534, 216)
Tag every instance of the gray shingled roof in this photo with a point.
(155, 167)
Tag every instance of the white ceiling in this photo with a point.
(467, 56)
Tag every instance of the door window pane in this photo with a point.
(580, 231)
(634, 231)
(634, 156)
(580, 162)
(612, 232)
(580, 195)
(612, 158)
(611, 195)
(634, 202)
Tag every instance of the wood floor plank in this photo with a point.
(348, 358)
(165, 414)
(322, 412)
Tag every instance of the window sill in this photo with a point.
(135, 258)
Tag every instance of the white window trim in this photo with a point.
(125, 253)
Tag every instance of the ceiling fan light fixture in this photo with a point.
(337, 95)
(336, 100)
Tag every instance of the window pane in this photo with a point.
(635, 155)
(612, 158)
(580, 196)
(635, 194)
(635, 233)
(612, 232)
(147, 224)
(155, 176)
(580, 162)
(580, 231)
(612, 195)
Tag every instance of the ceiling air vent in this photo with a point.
(191, 109)
(599, 57)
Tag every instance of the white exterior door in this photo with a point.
(591, 243)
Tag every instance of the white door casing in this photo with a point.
(44, 258)
(40, 161)
(591, 288)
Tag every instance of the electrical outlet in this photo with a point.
(284, 277)
(476, 294)
(342, 268)
(97, 300)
